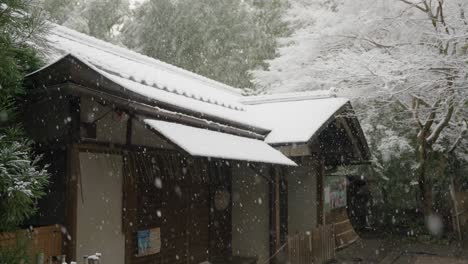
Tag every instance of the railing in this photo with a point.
(44, 241)
(316, 246)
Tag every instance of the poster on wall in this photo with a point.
(149, 241)
(335, 192)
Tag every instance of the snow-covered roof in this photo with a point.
(290, 117)
(147, 76)
(207, 143)
(294, 117)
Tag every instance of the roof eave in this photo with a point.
(364, 151)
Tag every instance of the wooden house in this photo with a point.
(154, 164)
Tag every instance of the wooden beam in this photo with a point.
(278, 232)
(105, 147)
(277, 210)
(295, 150)
(283, 206)
(129, 131)
(342, 122)
(320, 193)
(129, 210)
(71, 200)
(141, 107)
(75, 114)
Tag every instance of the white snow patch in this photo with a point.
(294, 121)
(207, 143)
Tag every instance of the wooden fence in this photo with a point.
(460, 214)
(46, 240)
(344, 230)
(316, 246)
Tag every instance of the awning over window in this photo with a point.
(206, 143)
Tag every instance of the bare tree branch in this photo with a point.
(430, 119)
(424, 9)
(403, 104)
(416, 112)
(459, 138)
(442, 124)
(421, 100)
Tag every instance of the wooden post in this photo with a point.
(277, 209)
(283, 207)
(456, 214)
(272, 215)
(129, 210)
(73, 173)
(320, 194)
(278, 227)
(129, 131)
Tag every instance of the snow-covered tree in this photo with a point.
(21, 178)
(409, 54)
(98, 18)
(220, 39)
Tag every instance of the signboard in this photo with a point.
(335, 192)
(149, 241)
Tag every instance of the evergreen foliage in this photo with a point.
(22, 180)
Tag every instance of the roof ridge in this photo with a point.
(126, 53)
(287, 97)
(166, 89)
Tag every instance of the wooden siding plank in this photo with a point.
(179, 204)
(314, 246)
(47, 240)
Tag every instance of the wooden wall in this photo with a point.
(302, 198)
(314, 246)
(220, 214)
(46, 240)
(251, 212)
(48, 120)
(174, 193)
(50, 212)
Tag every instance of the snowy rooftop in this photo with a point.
(142, 69)
(207, 143)
(294, 117)
(152, 78)
(291, 117)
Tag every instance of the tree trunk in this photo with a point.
(425, 187)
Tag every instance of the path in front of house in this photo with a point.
(373, 250)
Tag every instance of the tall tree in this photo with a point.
(408, 54)
(98, 18)
(21, 179)
(220, 39)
